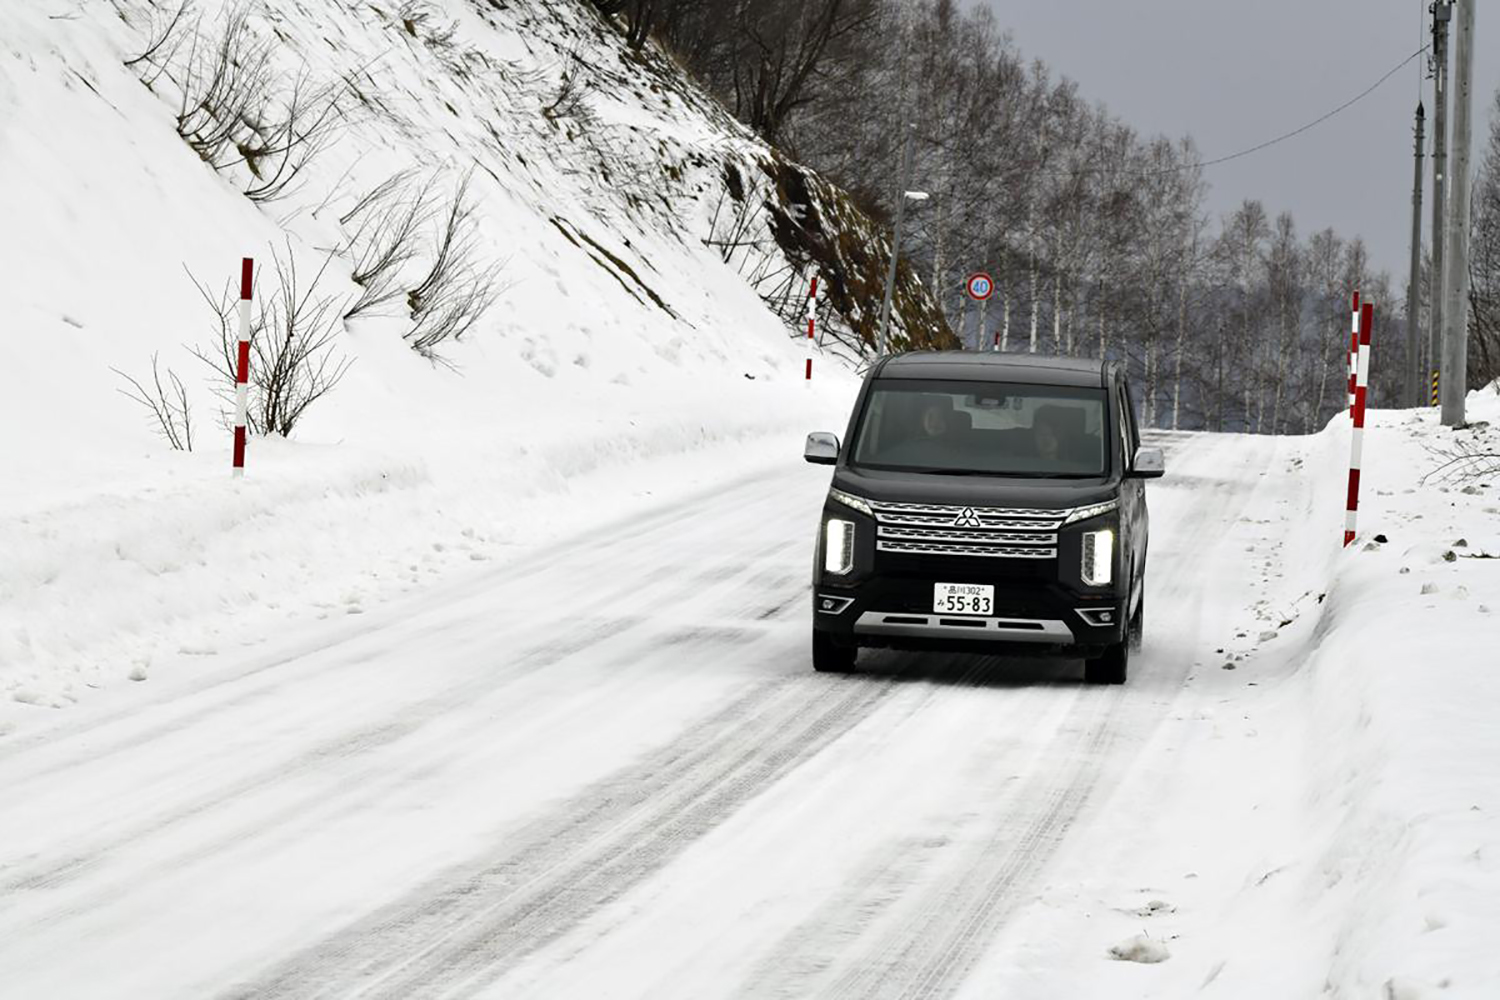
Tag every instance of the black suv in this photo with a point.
(985, 502)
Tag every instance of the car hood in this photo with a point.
(977, 491)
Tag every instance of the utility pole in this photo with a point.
(1441, 11)
(1455, 377)
(1413, 291)
(882, 345)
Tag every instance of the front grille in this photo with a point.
(992, 532)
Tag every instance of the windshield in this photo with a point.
(983, 429)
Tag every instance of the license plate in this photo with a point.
(963, 599)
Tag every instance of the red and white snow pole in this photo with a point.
(1353, 352)
(997, 341)
(1366, 319)
(812, 324)
(242, 366)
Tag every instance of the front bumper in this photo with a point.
(1032, 616)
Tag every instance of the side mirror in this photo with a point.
(1149, 464)
(822, 449)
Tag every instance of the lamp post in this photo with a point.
(881, 343)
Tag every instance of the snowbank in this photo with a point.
(1402, 684)
(623, 353)
(1320, 814)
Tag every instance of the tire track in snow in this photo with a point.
(404, 720)
(464, 926)
(930, 951)
(225, 689)
(357, 742)
(930, 954)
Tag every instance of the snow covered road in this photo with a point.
(606, 769)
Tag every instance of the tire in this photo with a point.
(829, 657)
(1110, 667)
(1138, 626)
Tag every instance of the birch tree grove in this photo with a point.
(1098, 238)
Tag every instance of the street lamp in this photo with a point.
(890, 276)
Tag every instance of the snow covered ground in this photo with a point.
(1319, 813)
(605, 768)
(124, 559)
(493, 680)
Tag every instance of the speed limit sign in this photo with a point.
(980, 286)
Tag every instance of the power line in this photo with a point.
(1315, 122)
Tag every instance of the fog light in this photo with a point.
(833, 605)
(1098, 557)
(838, 546)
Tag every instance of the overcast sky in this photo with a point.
(1233, 73)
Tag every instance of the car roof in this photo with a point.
(993, 366)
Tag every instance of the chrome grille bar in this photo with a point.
(978, 536)
(954, 530)
(968, 549)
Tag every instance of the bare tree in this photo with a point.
(1484, 264)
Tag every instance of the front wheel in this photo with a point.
(829, 657)
(1110, 667)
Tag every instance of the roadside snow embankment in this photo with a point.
(1364, 857)
(1320, 813)
(1404, 754)
(621, 352)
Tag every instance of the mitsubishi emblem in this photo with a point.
(967, 519)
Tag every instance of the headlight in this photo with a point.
(1084, 513)
(1098, 557)
(851, 501)
(838, 546)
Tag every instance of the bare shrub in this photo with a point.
(1464, 462)
(233, 106)
(456, 290)
(569, 100)
(388, 221)
(294, 362)
(420, 19)
(171, 415)
(163, 39)
(223, 86)
(284, 138)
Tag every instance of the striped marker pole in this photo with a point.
(1434, 387)
(242, 366)
(1357, 439)
(1353, 352)
(812, 324)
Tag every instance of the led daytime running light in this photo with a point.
(1084, 513)
(1098, 558)
(838, 546)
(851, 501)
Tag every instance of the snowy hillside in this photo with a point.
(646, 264)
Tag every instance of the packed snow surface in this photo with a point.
(603, 765)
(493, 680)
